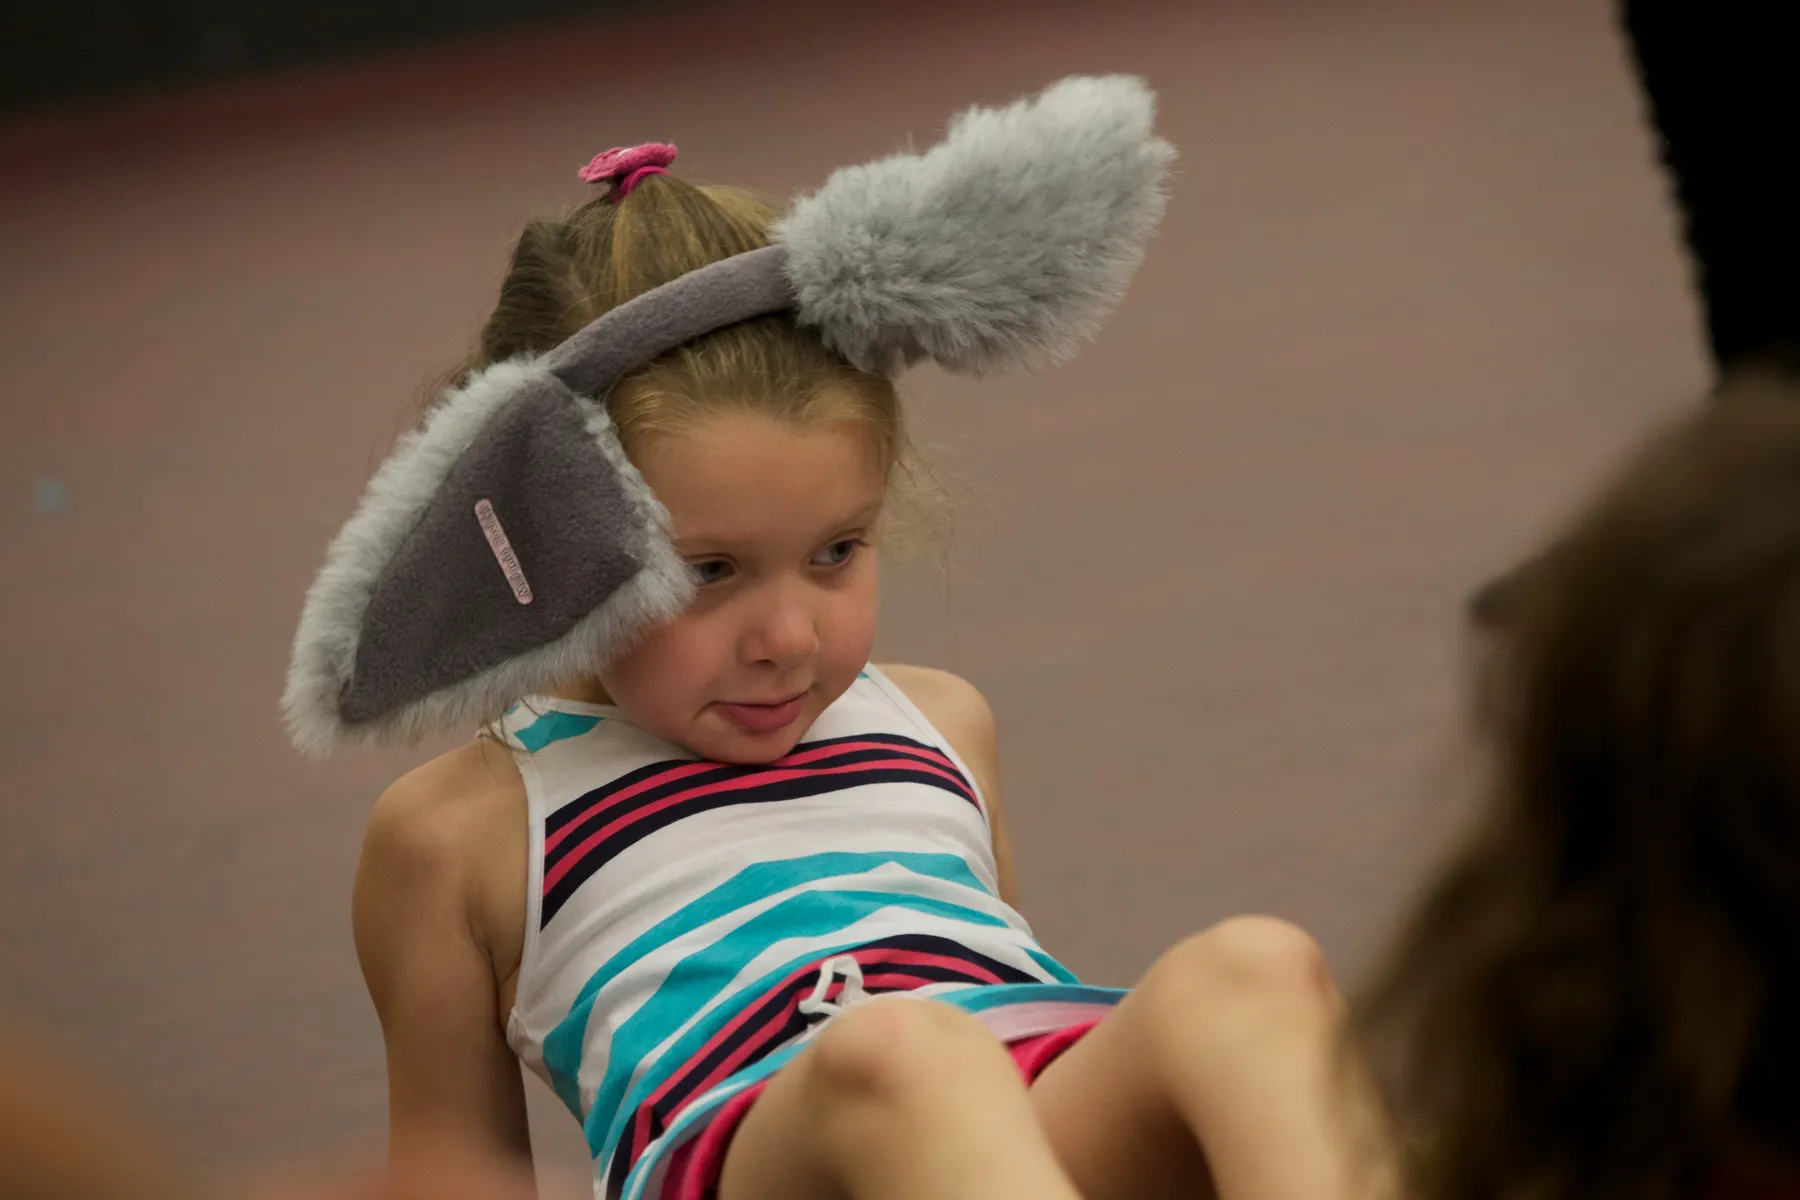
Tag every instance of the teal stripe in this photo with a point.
(554, 727)
(1051, 967)
(999, 995)
(699, 978)
(754, 884)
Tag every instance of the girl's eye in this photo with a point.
(711, 570)
(838, 553)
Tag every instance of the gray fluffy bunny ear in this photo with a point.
(506, 546)
(1003, 246)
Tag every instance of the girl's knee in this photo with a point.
(890, 1049)
(1243, 986)
(861, 1094)
(1252, 956)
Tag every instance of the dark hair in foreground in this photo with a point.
(1599, 996)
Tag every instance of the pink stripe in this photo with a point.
(702, 1170)
(935, 764)
(896, 956)
(925, 753)
(741, 783)
(1035, 1054)
(682, 1176)
(661, 777)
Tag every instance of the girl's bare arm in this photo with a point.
(450, 1070)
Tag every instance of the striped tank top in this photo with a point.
(690, 924)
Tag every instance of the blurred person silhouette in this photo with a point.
(1599, 996)
(1717, 81)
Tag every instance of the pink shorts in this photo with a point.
(694, 1172)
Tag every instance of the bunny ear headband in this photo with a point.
(507, 545)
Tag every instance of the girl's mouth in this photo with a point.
(763, 718)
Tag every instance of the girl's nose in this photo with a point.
(784, 632)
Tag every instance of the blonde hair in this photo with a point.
(569, 270)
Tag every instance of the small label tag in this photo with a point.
(503, 551)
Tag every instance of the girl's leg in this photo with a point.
(1222, 1074)
(901, 1099)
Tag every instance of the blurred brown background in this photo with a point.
(1418, 281)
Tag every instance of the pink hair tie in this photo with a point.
(623, 167)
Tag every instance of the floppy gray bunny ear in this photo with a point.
(1002, 246)
(504, 546)
(509, 546)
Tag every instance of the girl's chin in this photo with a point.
(738, 752)
(721, 740)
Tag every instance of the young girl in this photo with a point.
(706, 831)
(1599, 997)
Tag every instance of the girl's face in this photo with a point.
(778, 523)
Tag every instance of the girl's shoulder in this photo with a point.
(441, 802)
(949, 701)
(956, 708)
(450, 831)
